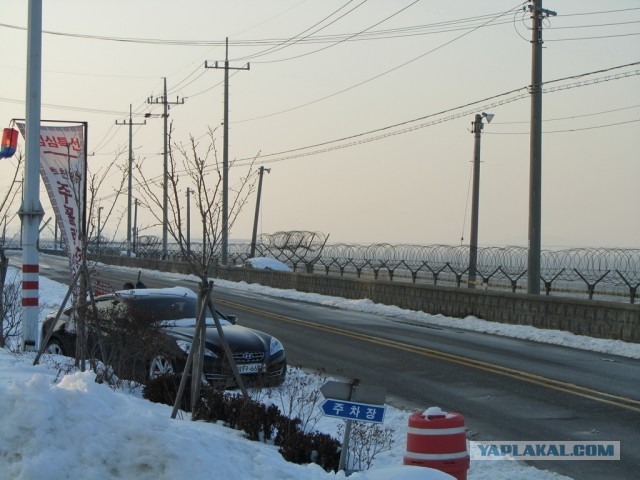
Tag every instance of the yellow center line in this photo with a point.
(558, 385)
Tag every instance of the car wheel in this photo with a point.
(159, 366)
(54, 347)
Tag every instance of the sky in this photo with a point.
(137, 439)
(361, 110)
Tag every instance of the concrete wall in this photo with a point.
(583, 317)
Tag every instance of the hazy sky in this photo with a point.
(321, 71)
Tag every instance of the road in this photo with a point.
(508, 389)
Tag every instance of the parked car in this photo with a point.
(165, 319)
(266, 263)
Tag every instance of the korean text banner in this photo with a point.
(62, 168)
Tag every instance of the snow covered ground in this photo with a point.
(60, 426)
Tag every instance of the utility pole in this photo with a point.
(535, 149)
(165, 192)
(131, 124)
(135, 229)
(255, 220)
(477, 127)
(99, 230)
(31, 211)
(189, 192)
(225, 154)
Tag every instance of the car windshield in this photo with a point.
(175, 311)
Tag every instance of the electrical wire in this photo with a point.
(65, 107)
(496, 100)
(293, 39)
(346, 39)
(386, 72)
(601, 12)
(433, 119)
(598, 37)
(277, 42)
(567, 130)
(572, 117)
(437, 118)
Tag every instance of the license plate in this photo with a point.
(250, 368)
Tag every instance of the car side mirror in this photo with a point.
(233, 319)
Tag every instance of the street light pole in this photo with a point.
(477, 126)
(255, 220)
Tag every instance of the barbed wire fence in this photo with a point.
(605, 273)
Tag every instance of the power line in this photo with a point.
(494, 101)
(523, 95)
(335, 39)
(599, 12)
(567, 130)
(597, 37)
(374, 35)
(572, 117)
(596, 25)
(297, 38)
(386, 72)
(66, 107)
(345, 39)
(433, 119)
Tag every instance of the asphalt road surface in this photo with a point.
(507, 389)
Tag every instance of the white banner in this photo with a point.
(62, 168)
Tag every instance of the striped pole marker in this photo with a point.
(30, 297)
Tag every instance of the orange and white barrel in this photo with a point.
(437, 439)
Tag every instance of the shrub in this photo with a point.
(366, 440)
(164, 389)
(258, 421)
(300, 397)
(315, 447)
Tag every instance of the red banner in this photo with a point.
(62, 168)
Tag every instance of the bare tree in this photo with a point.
(81, 285)
(84, 316)
(191, 166)
(200, 167)
(9, 321)
(97, 198)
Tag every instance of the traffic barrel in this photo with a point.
(436, 439)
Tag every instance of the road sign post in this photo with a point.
(352, 402)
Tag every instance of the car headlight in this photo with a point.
(275, 346)
(186, 347)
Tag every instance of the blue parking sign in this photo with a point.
(353, 411)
